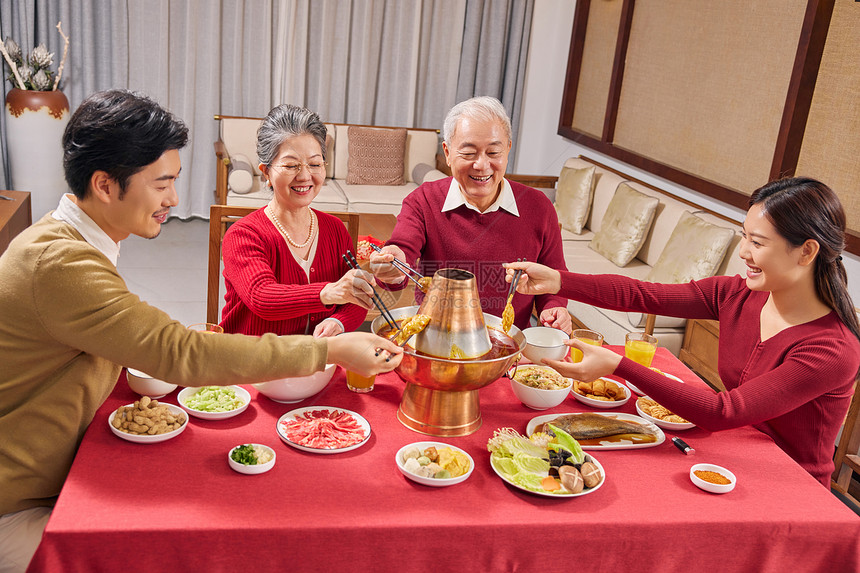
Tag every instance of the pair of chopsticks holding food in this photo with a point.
(420, 281)
(508, 314)
(411, 325)
(400, 332)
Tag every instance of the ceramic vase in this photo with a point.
(35, 121)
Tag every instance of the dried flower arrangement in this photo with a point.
(34, 72)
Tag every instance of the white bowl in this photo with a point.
(545, 342)
(434, 482)
(536, 398)
(147, 439)
(146, 385)
(713, 487)
(603, 403)
(241, 393)
(663, 423)
(290, 390)
(255, 469)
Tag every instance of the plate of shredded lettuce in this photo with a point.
(214, 402)
(525, 462)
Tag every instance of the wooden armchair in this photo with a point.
(846, 459)
(220, 216)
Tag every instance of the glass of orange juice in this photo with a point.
(640, 347)
(207, 327)
(587, 336)
(359, 383)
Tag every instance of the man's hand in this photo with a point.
(557, 317)
(381, 267)
(364, 353)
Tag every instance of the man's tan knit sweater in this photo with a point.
(67, 326)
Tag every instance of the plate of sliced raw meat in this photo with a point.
(323, 429)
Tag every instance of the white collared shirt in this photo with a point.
(505, 200)
(69, 212)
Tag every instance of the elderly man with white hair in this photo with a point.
(477, 219)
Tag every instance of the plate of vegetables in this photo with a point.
(214, 402)
(550, 466)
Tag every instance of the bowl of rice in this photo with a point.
(539, 387)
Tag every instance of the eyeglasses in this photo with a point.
(315, 168)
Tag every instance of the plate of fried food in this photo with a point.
(654, 412)
(600, 393)
(602, 430)
(147, 421)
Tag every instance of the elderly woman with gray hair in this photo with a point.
(477, 220)
(283, 269)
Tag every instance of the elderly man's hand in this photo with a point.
(557, 317)
(381, 267)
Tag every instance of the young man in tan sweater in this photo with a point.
(68, 322)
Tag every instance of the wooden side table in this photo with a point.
(15, 216)
(700, 348)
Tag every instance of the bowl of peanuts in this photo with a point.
(148, 421)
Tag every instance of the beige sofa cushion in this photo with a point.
(625, 225)
(732, 264)
(421, 147)
(694, 251)
(573, 197)
(375, 156)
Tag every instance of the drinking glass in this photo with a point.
(587, 336)
(207, 328)
(359, 383)
(640, 347)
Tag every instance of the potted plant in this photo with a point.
(36, 116)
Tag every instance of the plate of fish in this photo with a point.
(323, 429)
(603, 430)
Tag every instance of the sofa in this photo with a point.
(369, 169)
(676, 241)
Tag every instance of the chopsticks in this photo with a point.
(513, 288)
(405, 269)
(349, 258)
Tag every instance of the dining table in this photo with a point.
(178, 505)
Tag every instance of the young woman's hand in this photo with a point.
(597, 361)
(536, 278)
(353, 287)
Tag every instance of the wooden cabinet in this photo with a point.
(699, 350)
(15, 216)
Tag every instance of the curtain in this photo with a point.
(374, 62)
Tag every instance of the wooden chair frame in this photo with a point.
(846, 459)
(220, 216)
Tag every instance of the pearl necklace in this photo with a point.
(287, 235)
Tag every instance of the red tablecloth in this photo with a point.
(178, 505)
